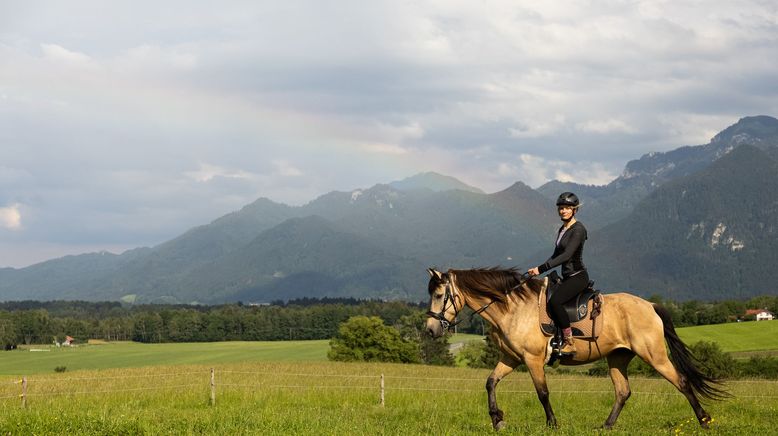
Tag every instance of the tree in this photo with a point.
(9, 335)
(34, 326)
(432, 351)
(484, 354)
(368, 339)
(715, 362)
(471, 353)
(148, 327)
(185, 326)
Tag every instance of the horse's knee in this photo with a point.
(490, 384)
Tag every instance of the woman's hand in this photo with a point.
(533, 271)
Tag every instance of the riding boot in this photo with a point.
(568, 348)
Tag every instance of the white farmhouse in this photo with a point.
(761, 314)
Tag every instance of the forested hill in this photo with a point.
(713, 234)
(695, 222)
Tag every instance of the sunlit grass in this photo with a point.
(735, 336)
(341, 398)
(290, 387)
(133, 354)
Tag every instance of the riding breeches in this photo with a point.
(564, 292)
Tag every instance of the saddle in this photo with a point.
(585, 312)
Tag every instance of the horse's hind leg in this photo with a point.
(618, 362)
(664, 367)
(662, 364)
(503, 368)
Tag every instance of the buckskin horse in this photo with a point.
(510, 302)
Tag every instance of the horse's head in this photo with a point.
(445, 303)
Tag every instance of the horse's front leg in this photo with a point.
(535, 365)
(503, 368)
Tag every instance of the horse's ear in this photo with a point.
(435, 273)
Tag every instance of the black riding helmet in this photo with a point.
(568, 199)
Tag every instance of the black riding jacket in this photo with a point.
(569, 251)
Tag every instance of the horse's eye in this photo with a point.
(439, 296)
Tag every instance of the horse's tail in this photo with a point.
(685, 362)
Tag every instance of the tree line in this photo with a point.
(36, 323)
(695, 312)
(28, 322)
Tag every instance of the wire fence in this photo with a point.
(223, 381)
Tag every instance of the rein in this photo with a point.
(449, 296)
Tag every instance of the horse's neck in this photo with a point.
(500, 315)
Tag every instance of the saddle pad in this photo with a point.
(584, 328)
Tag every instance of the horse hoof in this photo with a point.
(499, 425)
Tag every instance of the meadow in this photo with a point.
(735, 337)
(290, 387)
(343, 398)
(133, 354)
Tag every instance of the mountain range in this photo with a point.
(694, 222)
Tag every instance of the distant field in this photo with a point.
(460, 338)
(747, 337)
(132, 354)
(735, 336)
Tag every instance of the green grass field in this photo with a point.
(290, 387)
(131, 354)
(735, 337)
(461, 338)
(341, 398)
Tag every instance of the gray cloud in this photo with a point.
(126, 123)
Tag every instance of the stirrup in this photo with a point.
(564, 344)
(566, 353)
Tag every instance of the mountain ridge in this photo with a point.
(612, 202)
(375, 242)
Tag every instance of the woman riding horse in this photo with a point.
(568, 252)
(631, 326)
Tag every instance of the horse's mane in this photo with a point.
(495, 282)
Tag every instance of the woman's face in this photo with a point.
(565, 212)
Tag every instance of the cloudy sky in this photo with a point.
(123, 124)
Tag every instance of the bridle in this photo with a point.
(441, 316)
(449, 296)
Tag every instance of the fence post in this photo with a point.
(382, 390)
(213, 388)
(24, 392)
